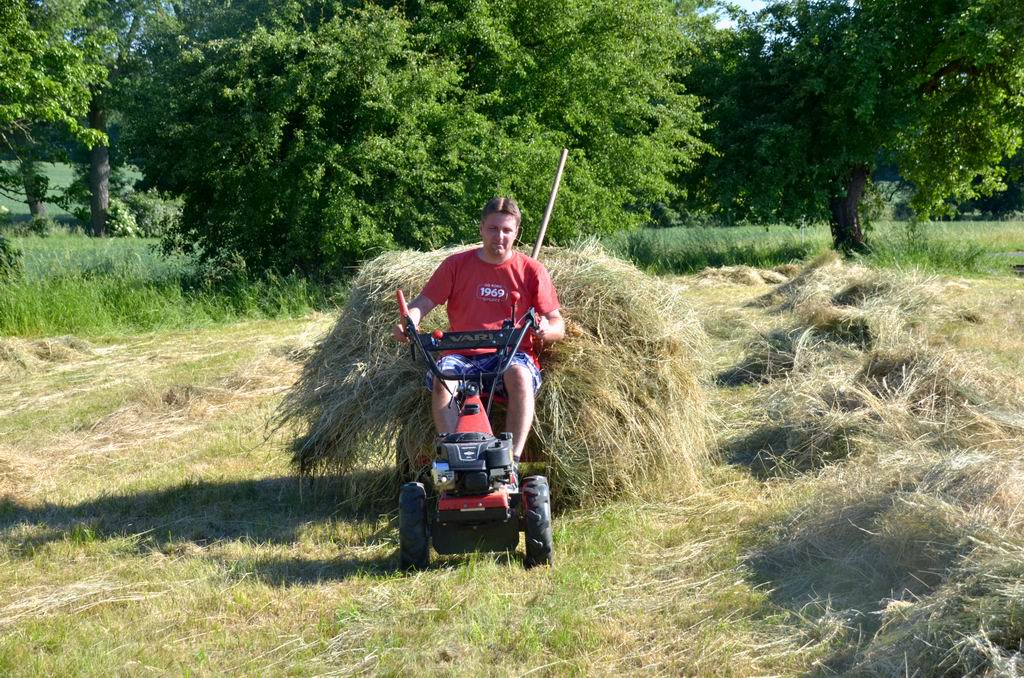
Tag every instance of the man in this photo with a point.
(476, 285)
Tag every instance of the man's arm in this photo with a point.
(418, 309)
(552, 327)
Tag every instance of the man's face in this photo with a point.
(498, 233)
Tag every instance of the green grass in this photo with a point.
(88, 287)
(73, 254)
(965, 247)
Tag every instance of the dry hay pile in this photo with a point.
(26, 354)
(620, 409)
(864, 307)
(740, 275)
(925, 550)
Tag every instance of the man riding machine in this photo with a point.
(489, 352)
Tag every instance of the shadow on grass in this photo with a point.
(761, 452)
(843, 560)
(275, 511)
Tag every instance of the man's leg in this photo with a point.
(519, 416)
(446, 417)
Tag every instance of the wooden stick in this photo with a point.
(551, 204)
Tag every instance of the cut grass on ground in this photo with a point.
(147, 524)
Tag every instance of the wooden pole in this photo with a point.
(551, 203)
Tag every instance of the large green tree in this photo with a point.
(46, 71)
(805, 96)
(313, 134)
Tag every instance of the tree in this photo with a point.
(803, 97)
(117, 26)
(312, 134)
(45, 76)
(1008, 202)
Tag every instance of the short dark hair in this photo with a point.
(504, 206)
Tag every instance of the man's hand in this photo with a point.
(398, 332)
(550, 327)
(419, 307)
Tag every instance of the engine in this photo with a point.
(472, 463)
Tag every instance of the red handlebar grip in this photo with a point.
(403, 309)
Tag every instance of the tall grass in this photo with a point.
(76, 285)
(950, 247)
(687, 250)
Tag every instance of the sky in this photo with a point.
(748, 5)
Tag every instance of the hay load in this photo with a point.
(621, 407)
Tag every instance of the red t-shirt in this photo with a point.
(477, 293)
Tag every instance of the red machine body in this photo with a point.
(479, 502)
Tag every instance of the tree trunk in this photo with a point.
(35, 187)
(99, 172)
(847, 234)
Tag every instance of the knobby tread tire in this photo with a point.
(413, 542)
(537, 509)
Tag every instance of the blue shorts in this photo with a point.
(467, 366)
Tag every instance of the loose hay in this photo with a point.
(621, 408)
(860, 306)
(769, 356)
(971, 626)
(924, 547)
(24, 354)
(955, 399)
(740, 275)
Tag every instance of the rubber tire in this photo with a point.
(413, 542)
(537, 510)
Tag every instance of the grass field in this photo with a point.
(964, 247)
(86, 286)
(150, 523)
(60, 175)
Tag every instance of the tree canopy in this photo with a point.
(804, 97)
(312, 134)
(46, 71)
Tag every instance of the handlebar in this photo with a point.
(505, 341)
(403, 309)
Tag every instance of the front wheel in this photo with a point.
(413, 543)
(537, 506)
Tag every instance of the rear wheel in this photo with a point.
(413, 544)
(537, 507)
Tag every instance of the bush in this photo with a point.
(121, 221)
(10, 260)
(314, 144)
(155, 214)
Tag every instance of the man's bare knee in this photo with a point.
(518, 380)
(443, 388)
